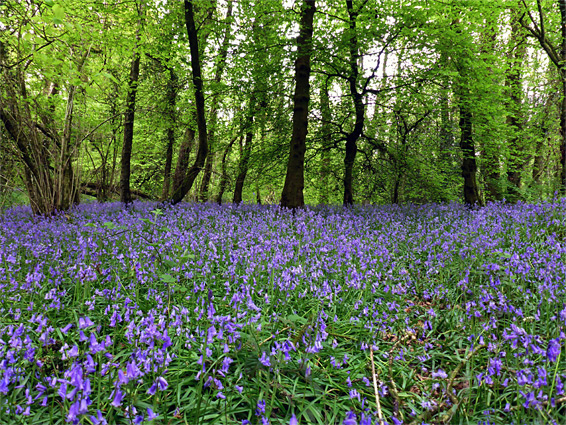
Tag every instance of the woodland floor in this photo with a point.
(206, 314)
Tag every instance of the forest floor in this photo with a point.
(206, 314)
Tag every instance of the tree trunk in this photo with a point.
(292, 195)
(207, 172)
(129, 115)
(257, 193)
(243, 165)
(46, 156)
(221, 64)
(184, 157)
(224, 178)
(557, 55)
(172, 89)
(67, 191)
(469, 166)
(326, 137)
(514, 85)
(562, 72)
(353, 136)
(202, 152)
(563, 132)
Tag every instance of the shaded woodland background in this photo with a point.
(211, 100)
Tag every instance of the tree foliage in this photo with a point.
(431, 101)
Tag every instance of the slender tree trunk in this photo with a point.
(243, 166)
(182, 168)
(184, 157)
(224, 178)
(221, 64)
(292, 195)
(202, 152)
(353, 136)
(46, 156)
(544, 141)
(67, 191)
(469, 165)
(207, 173)
(557, 55)
(257, 193)
(562, 72)
(563, 132)
(326, 142)
(396, 186)
(539, 162)
(514, 84)
(172, 89)
(129, 115)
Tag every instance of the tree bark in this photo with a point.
(469, 165)
(562, 68)
(224, 178)
(221, 64)
(357, 99)
(202, 152)
(243, 165)
(172, 89)
(257, 193)
(184, 156)
(129, 116)
(46, 155)
(292, 195)
(326, 115)
(514, 85)
(557, 55)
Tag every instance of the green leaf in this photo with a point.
(58, 12)
(170, 263)
(49, 3)
(167, 278)
(109, 76)
(91, 225)
(109, 225)
(296, 318)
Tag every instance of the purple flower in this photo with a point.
(4, 382)
(439, 374)
(293, 420)
(85, 322)
(67, 328)
(117, 396)
(99, 419)
(354, 394)
(132, 371)
(73, 352)
(151, 415)
(351, 419)
(260, 408)
(264, 359)
(162, 383)
(553, 350)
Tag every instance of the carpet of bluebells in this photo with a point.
(206, 314)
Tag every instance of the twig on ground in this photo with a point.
(374, 376)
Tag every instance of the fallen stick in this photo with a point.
(374, 376)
